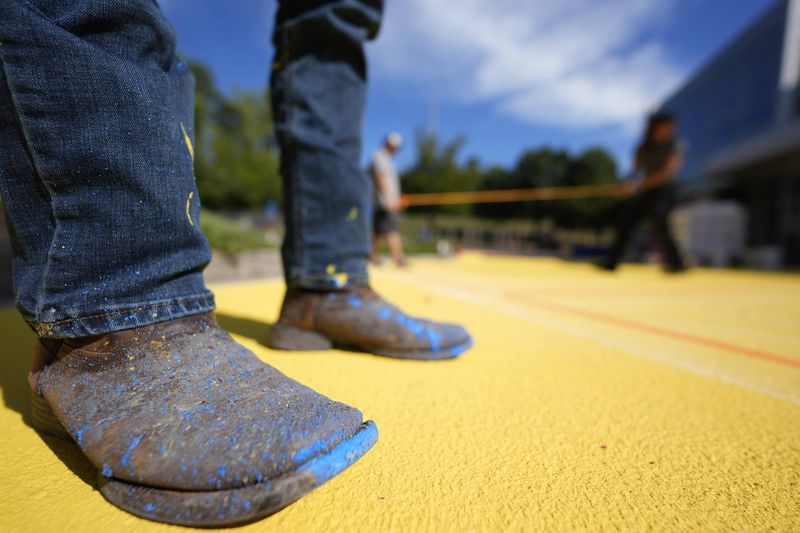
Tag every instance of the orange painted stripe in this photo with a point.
(514, 195)
(664, 332)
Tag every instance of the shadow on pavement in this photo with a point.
(252, 329)
(18, 341)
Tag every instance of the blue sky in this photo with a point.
(506, 74)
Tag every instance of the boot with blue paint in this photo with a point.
(188, 427)
(358, 318)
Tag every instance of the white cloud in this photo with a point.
(566, 63)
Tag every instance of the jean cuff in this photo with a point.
(127, 317)
(328, 281)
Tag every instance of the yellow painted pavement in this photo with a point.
(591, 402)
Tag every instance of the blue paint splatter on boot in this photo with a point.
(127, 456)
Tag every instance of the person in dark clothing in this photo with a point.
(651, 188)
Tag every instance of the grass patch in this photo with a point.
(229, 237)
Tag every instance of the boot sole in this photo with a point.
(217, 508)
(292, 338)
(440, 355)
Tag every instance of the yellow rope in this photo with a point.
(514, 195)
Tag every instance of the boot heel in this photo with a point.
(286, 337)
(43, 419)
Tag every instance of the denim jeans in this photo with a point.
(318, 90)
(96, 157)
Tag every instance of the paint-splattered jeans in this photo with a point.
(96, 163)
(96, 173)
(318, 91)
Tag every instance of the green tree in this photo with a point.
(236, 161)
(594, 166)
(542, 167)
(437, 169)
(545, 167)
(497, 178)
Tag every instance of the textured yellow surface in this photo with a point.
(590, 402)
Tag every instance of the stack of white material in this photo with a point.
(711, 232)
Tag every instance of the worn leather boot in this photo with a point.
(187, 426)
(357, 318)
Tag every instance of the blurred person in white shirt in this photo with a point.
(388, 204)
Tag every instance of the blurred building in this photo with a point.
(740, 114)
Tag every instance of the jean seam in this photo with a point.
(298, 257)
(126, 310)
(44, 328)
(325, 282)
(42, 289)
(328, 278)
